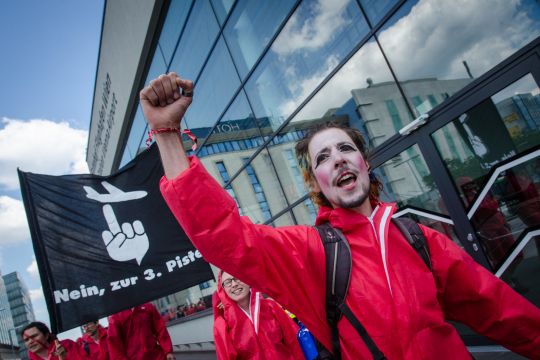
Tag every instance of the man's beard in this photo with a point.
(354, 203)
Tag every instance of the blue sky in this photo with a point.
(47, 68)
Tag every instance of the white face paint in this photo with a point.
(341, 172)
(234, 288)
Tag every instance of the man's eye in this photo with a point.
(320, 158)
(346, 147)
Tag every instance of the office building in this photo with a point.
(445, 92)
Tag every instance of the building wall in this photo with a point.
(6, 320)
(123, 40)
(265, 71)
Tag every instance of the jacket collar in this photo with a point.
(348, 220)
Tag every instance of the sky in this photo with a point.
(48, 62)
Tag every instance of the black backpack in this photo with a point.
(338, 271)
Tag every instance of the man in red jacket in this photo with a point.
(41, 344)
(139, 333)
(403, 306)
(94, 344)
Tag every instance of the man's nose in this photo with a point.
(338, 159)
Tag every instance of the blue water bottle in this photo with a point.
(307, 343)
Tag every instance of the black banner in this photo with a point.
(104, 244)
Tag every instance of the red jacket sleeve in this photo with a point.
(224, 347)
(470, 294)
(116, 345)
(72, 350)
(162, 335)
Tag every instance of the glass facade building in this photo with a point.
(22, 311)
(445, 92)
(6, 320)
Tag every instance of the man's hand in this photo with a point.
(59, 350)
(162, 102)
(170, 357)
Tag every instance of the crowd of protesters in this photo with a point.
(138, 333)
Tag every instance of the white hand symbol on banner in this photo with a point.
(126, 243)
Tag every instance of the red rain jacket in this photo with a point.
(72, 351)
(269, 334)
(138, 334)
(97, 351)
(402, 304)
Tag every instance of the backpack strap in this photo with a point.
(338, 271)
(414, 235)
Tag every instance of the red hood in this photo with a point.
(230, 310)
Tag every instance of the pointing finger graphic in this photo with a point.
(111, 219)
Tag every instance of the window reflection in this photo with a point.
(494, 160)
(222, 7)
(176, 16)
(176, 307)
(363, 91)
(376, 9)
(250, 27)
(261, 196)
(407, 182)
(196, 42)
(136, 134)
(157, 67)
(218, 83)
(435, 49)
(292, 68)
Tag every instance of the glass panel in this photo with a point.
(292, 68)
(136, 133)
(305, 213)
(259, 191)
(408, 182)
(436, 50)
(376, 9)
(363, 92)
(250, 27)
(494, 161)
(235, 129)
(284, 220)
(222, 8)
(157, 67)
(196, 43)
(186, 302)
(176, 16)
(216, 85)
(522, 273)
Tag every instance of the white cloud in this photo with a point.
(315, 32)
(436, 36)
(32, 269)
(431, 40)
(13, 224)
(36, 294)
(40, 146)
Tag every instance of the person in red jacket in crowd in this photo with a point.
(402, 303)
(248, 326)
(42, 344)
(139, 333)
(94, 344)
